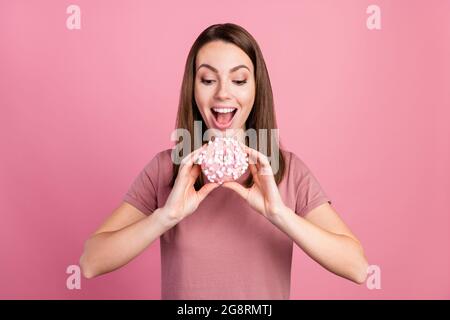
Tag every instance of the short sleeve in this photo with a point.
(309, 194)
(142, 193)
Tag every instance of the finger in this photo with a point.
(254, 172)
(255, 154)
(252, 157)
(206, 189)
(262, 159)
(258, 158)
(266, 171)
(194, 173)
(239, 189)
(188, 161)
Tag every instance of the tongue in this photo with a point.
(224, 118)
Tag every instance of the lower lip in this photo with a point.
(223, 126)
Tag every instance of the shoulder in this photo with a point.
(294, 164)
(159, 167)
(161, 158)
(164, 156)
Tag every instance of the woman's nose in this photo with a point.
(223, 91)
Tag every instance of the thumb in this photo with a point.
(206, 189)
(239, 189)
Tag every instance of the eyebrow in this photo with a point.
(216, 71)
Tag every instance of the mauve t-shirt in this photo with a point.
(225, 249)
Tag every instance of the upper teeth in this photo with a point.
(223, 110)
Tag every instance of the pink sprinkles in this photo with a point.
(223, 160)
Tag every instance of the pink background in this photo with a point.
(82, 111)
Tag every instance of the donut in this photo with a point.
(223, 160)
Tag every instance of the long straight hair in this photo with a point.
(262, 115)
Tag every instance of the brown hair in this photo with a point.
(262, 115)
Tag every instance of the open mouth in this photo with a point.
(223, 116)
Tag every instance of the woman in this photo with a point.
(229, 241)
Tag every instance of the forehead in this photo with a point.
(223, 56)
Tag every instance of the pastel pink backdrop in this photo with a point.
(82, 111)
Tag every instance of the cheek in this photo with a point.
(246, 98)
(201, 98)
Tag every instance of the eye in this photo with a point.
(240, 82)
(207, 82)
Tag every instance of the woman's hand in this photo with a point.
(184, 199)
(263, 195)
